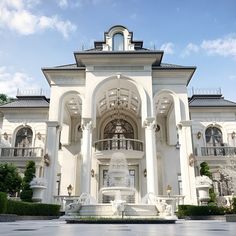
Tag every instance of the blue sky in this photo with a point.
(44, 33)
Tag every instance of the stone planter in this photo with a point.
(203, 184)
(38, 185)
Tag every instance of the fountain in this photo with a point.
(118, 180)
(119, 193)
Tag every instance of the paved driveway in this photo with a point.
(60, 228)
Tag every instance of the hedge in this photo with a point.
(189, 210)
(32, 209)
(234, 205)
(3, 202)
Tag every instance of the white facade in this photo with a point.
(117, 97)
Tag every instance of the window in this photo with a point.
(213, 136)
(23, 142)
(118, 128)
(24, 137)
(118, 42)
(180, 186)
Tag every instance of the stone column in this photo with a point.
(51, 160)
(86, 155)
(186, 165)
(150, 151)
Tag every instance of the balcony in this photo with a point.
(218, 151)
(215, 156)
(132, 148)
(20, 156)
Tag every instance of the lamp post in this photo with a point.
(168, 190)
(69, 190)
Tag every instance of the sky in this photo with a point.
(45, 33)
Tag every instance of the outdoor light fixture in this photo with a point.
(199, 135)
(92, 173)
(46, 159)
(145, 173)
(177, 145)
(233, 135)
(5, 135)
(69, 189)
(39, 135)
(168, 190)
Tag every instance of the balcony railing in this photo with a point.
(119, 144)
(22, 152)
(218, 151)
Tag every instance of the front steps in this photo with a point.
(103, 210)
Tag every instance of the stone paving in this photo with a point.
(60, 228)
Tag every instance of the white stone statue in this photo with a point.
(118, 207)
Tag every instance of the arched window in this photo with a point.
(118, 128)
(24, 137)
(118, 42)
(23, 142)
(213, 136)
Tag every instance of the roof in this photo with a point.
(68, 66)
(215, 100)
(28, 102)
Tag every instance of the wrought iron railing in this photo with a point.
(119, 144)
(21, 152)
(218, 151)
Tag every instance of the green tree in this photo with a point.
(3, 98)
(10, 180)
(205, 170)
(27, 193)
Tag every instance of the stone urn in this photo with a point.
(203, 184)
(38, 185)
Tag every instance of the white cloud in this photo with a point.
(191, 47)
(168, 48)
(17, 16)
(11, 81)
(81, 3)
(64, 27)
(223, 46)
(62, 3)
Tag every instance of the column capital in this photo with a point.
(53, 124)
(150, 123)
(87, 124)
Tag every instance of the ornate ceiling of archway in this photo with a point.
(118, 100)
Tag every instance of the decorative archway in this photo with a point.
(123, 79)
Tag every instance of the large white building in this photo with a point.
(120, 97)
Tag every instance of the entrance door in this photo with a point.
(133, 182)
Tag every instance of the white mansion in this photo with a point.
(120, 97)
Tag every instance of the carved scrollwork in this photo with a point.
(87, 124)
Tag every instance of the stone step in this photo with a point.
(130, 210)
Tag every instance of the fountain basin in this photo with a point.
(116, 191)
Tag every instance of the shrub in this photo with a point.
(234, 205)
(10, 180)
(189, 210)
(3, 202)
(27, 193)
(182, 211)
(32, 209)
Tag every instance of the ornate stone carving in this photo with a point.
(150, 123)
(87, 124)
